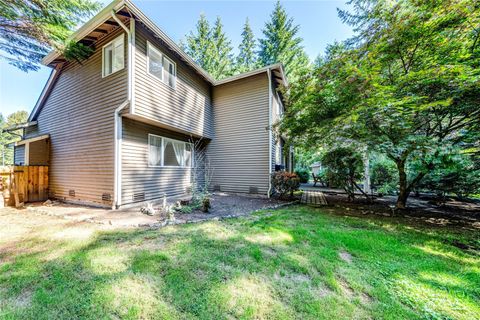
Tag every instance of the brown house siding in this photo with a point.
(79, 116)
(137, 176)
(187, 107)
(239, 151)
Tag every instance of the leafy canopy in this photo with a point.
(407, 85)
(30, 28)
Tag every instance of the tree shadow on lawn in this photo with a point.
(282, 266)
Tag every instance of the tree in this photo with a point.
(8, 137)
(198, 44)
(222, 62)
(30, 28)
(406, 86)
(210, 48)
(247, 58)
(344, 167)
(281, 43)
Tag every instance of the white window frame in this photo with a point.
(122, 38)
(162, 156)
(150, 48)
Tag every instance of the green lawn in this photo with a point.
(296, 262)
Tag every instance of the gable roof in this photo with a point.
(53, 58)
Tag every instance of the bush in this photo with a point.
(303, 174)
(285, 183)
(383, 176)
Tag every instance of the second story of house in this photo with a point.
(136, 62)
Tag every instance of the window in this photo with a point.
(113, 56)
(165, 152)
(160, 66)
(154, 62)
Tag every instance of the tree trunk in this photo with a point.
(403, 187)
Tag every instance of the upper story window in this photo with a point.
(161, 66)
(165, 152)
(113, 56)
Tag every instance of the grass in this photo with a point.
(296, 262)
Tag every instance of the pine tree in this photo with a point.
(210, 48)
(222, 62)
(199, 45)
(29, 29)
(247, 58)
(281, 43)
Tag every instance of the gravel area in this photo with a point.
(224, 205)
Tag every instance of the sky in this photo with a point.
(318, 20)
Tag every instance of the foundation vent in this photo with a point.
(71, 193)
(216, 187)
(253, 190)
(139, 196)
(106, 197)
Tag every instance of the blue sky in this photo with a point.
(318, 20)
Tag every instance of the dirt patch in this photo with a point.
(23, 300)
(366, 298)
(346, 289)
(345, 256)
(322, 292)
(223, 206)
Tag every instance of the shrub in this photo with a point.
(383, 176)
(285, 183)
(303, 174)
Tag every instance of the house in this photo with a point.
(127, 124)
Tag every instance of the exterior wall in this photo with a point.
(239, 151)
(137, 176)
(39, 153)
(79, 116)
(187, 107)
(19, 155)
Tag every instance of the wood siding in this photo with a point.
(239, 151)
(137, 176)
(79, 116)
(187, 107)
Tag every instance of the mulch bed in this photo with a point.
(425, 210)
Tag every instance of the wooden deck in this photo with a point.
(313, 198)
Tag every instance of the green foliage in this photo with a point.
(407, 86)
(210, 48)
(383, 175)
(285, 183)
(303, 174)
(247, 59)
(456, 175)
(344, 167)
(30, 28)
(9, 137)
(281, 43)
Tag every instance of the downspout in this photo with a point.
(117, 116)
(269, 133)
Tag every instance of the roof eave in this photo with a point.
(84, 30)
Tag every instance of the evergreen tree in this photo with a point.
(199, 45)
(30, 28)
(210, 48)
(222, 57)
(247, 59)
(281, 43)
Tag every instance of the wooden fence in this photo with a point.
(21, 184)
